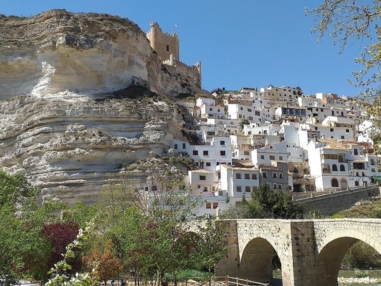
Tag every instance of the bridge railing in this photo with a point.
(227, 280)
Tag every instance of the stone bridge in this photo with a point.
(310, 251)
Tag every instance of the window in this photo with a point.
(208, 205)
(355, 152)
(238, 176)
(262, 157)
(210, 109)
(241, 108)
(280, 158)
(222, 143)
(272, 157)
(202, 178)
(372, 162)
(347, 130)
(205, 153)
(331, 129)
(264, 174)
(247, 189)
(253, 176)
(184, 145)
(208, 164)
(334, 183)
(195, 152)
(280, 175)
(249, 110)
(279, 187)
(239, 189)
(334, 167)
(274, 186)
(167, 48)
(274, 175)
(215, 205)
(247, 176)
(255, 188)
(342, 168)
(175, 146)
(222, 153)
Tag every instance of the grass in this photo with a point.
(360, 273)
(370, 209)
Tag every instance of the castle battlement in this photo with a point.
(167, 48)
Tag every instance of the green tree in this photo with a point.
(243, 122)
(152, 234)
(347, 20)
(20, 235)
(267, 203)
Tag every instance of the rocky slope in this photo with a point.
(64, 122)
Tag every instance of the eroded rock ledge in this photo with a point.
(70, 144)
(81, 97)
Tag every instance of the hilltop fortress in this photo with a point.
(167, 48)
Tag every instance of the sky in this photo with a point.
(240, 43)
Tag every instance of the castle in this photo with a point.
(167, 48)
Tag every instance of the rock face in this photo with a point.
(63, 122)
(58, 50)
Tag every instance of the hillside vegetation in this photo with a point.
(368, 209)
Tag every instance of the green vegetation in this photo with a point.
(148, 235)
(243, 122)
(347, 21)
(266, 203)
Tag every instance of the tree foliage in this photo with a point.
(106, 264)
(60, 235)
(266, 203)
(347, 20)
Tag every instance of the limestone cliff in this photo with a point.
(66, 117)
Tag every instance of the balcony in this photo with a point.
(326, 169)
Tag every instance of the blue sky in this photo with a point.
(241, 43)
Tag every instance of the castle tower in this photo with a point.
(163, 43)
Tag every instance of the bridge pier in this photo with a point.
(310, 251)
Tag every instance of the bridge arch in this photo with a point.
(256, 260)
(331, 252)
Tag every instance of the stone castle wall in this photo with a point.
(163, 43)
(193, 73)
(167, 48)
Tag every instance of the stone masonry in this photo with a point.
(310, 251)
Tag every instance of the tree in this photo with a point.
(61, 267)
(243, 122)
(268, 203)
(106, 265)
(211, 246)
(21, 222)
(350, 19)
(60, 235)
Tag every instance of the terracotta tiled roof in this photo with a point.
(333, 144)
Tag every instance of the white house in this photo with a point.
(264, 156)
(205, 101)
(238, 182)
(328, 161)
(207, 156)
